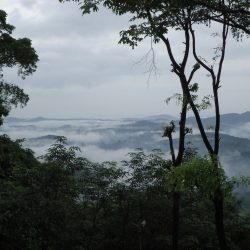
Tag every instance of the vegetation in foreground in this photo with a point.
(67, 202)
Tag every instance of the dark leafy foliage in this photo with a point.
(68, 202)
(168, 14)
(13, 156)
(14, 53)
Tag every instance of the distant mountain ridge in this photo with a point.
(230, 118)
(225, 118)
(110, 139)
(39, 119)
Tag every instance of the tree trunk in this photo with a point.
(176, 216)
(219, 219)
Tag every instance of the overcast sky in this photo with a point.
(83, 72)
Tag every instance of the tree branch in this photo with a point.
(164, 39)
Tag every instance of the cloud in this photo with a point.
(97, 154)
(82, 70)
(242, 130)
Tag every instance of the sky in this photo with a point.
(84, 72)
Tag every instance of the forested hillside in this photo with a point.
(68, 202)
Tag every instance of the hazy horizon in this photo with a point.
(112, 139)
(190, 114)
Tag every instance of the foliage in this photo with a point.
(46, 205)
(12, 155)
(198, 174)
(65, 157)
(14, 53)
(10, 95)
(146, 170)
(38, 203)
(169, 14)
(203, 175)
(237, 12)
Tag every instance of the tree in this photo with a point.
(14, 53)
(12, 154)
(65, 157)
(39, 206)
(154, 19)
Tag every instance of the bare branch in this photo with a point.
(165, 40)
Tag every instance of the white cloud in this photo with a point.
(99, 155)
(83, 72)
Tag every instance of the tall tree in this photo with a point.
(153, 18)
(14, 53)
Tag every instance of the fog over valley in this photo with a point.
(112, 139)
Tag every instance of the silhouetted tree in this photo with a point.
(14, 53)
(154, 19)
